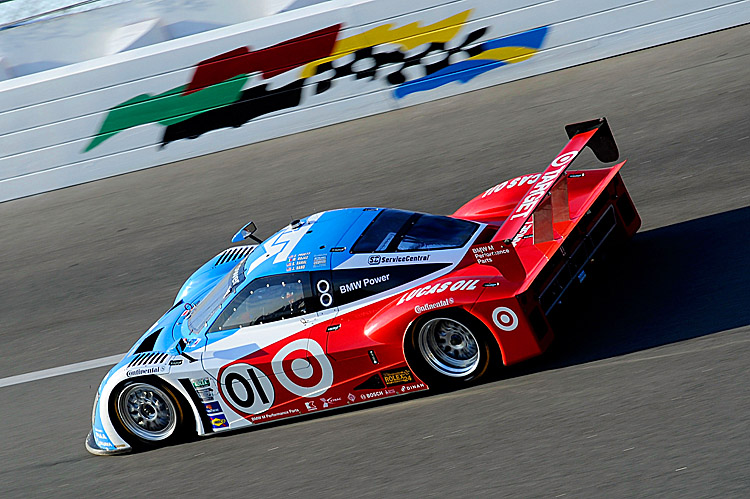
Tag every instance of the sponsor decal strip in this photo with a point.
(363, 283)
(461, 285)
(484, 254)
(432, 306)
(139, 371)
(395, 377)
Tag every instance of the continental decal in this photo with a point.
(432, 306)
(140, 371)
(396, 377)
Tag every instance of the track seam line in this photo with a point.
(60, 371)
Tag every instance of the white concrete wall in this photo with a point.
(48, 120)
(68, 39)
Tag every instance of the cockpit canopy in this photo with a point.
(291, 273)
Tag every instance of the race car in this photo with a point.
(361, 304)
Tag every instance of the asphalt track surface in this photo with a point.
(645, 394)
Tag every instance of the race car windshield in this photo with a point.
(430, 232)
(396, 230)
(265, 300)
(205, 309)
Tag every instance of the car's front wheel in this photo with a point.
(451, 349)
(150, 413)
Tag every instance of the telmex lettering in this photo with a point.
(461, 285)
(346, 288)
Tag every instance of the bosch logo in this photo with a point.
(374, 260)
(505, 318)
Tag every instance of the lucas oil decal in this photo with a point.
(462, 285)
(509, 184)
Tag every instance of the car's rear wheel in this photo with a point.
(150, 413)
(451, 349)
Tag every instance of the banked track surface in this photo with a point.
(647, 393)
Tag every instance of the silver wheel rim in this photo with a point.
(147, 412)
(449, 347)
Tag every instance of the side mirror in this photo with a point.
(246, 232)
(180, 346)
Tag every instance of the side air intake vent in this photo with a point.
(233, 254)
(147, 358)
(148, 344)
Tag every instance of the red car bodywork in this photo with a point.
(542, 231)
(533, 238)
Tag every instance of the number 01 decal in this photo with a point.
(308, 374)
(248, 390)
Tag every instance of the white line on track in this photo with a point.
(59, 371)
(114, 359)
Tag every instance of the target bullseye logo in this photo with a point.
(303, 368)
(505, 318)
(564, 159)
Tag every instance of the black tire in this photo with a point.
(451, 349)
(149, 413)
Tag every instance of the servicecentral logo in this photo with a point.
(378, 259)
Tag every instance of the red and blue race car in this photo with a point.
(353, 305)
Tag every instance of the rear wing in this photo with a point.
(547, 198)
